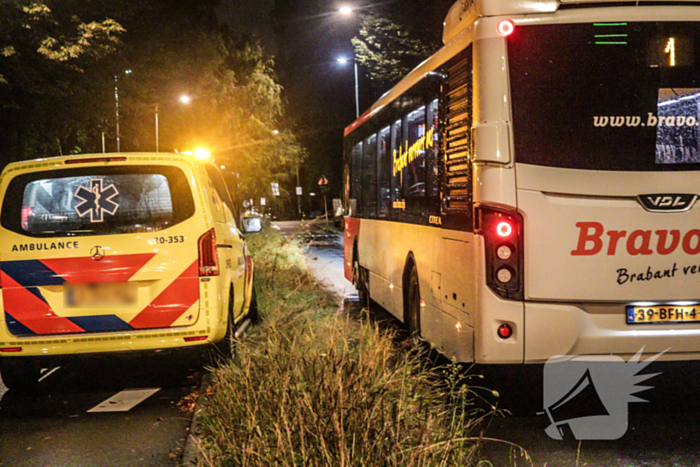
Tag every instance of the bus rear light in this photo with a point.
(504, 252)
(504, 275)
(506, 28)
(10, 349)
(502, 230)
(208, 256)
(505, 331)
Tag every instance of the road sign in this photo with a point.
(263, 201)
(299, 191)
(275, 189)
(323, 181)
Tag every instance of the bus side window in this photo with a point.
(356, 177)
(384, 168)
(369, 178)
(397, 174)
(414, 172)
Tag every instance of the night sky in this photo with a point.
(250, 16)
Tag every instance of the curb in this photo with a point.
(190, 453)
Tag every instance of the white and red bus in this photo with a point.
(530, 190)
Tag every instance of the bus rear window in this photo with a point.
(97, 201)
(607, 96)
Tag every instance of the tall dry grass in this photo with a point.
(313, 387)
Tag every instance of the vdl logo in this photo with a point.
(588, 398)
(667, 203)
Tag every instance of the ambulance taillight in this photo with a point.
(208, 257)
(502, 230)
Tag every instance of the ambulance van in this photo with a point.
(119, 254)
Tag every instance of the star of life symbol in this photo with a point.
(96, 201)
(588, 398)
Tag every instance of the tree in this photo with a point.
(44, 52)
(387, 50)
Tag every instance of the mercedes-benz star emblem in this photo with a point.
(97, 253)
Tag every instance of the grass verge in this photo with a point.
(315, 387)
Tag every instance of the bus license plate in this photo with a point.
(663, 314)
(101, 295)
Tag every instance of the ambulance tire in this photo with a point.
(227, 347)
(253, 310)
(21, 379)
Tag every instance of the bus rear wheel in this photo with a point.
(414, 307)
(361, 282)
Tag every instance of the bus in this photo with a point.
(531, 190)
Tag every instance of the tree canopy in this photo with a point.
(68, 66)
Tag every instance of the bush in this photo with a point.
(315, 387)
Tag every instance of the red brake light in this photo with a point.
(92, 160)
(10, 349)
(506, 28)
(196, 339)
(504, 229)
(208, 257)
(248, 270)
(505, 331)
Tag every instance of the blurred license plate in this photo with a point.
(663, 314)
(101, 295)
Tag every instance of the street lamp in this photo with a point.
(344, 61)
(346, 10)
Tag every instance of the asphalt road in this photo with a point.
(54, 428)
(663, 432)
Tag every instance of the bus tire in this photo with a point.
(413, 305)
(359, 280)
(21, 378)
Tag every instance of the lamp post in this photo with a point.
(344, 61)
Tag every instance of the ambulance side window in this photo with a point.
(220, 186)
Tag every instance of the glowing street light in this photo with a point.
(185, 99)
(346, 10)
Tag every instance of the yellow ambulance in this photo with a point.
(121, 253)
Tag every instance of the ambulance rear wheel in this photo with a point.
(253, 311)
(21, 379)
(227, 347)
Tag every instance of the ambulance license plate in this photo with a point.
(663, 314)
(101, 295)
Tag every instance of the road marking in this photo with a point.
(49, 373)
(3, 390)
(124, 401)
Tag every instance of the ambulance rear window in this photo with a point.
(97, 201)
